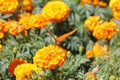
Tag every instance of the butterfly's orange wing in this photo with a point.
(64, 36)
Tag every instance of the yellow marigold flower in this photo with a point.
(114, 5)
(24, 71)
(105, 30)
(99, 50)
(14, 27)
(27, 5)
(8, 6)
(91, 22)
(112, 2)
(56, 10)
(1, 47)
(50, 57)
(89, 54)
(14, 63)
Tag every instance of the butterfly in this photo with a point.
(64, 36)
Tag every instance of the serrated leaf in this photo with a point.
(7, 16)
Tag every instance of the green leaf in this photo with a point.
(7, 16)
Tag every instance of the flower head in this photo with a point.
(91, 22)
(56, 10)
(8, 6)
(27, 5)
(24, 71)
(14, 63)
(2, 29)
(14, 27)
(89, 54)
(105, 30)
(85, 1)
(34, 21)
(99, 50)
(114, 5)
(50, 57)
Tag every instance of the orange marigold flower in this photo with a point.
(14, 63)
(38, 21)
(24, 21)
(50, 57)
(114, 5)
(85, 1)
(8, 6)
(25, 70)
(105, 30)
(99, 50)
(89, 54)
(2, 29)
(91, 22)
(27, 5)
(102, 4)
(34, 21)
(56, 10)
(14, 27)
(95, 2)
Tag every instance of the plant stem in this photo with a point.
(51, 35)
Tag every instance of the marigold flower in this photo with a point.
(114, 5)
(56, 10)
(14, 63)
(27, 5)
(50, 57)
(24, 71)
(89, 54)
(8, 6)
(34, 21)
(95, 2)
(102, 4)
(105, 30)
(85, 1)
(99, 50)
(14, 27)
(24, 21)
(2, 29)
(1, 47)
(91, 22)
(38, 21)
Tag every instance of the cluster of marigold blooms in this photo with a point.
(94, 2)
(48, 57)
(10, 6)
(101, 30)
(53, 11)
(97, 51)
